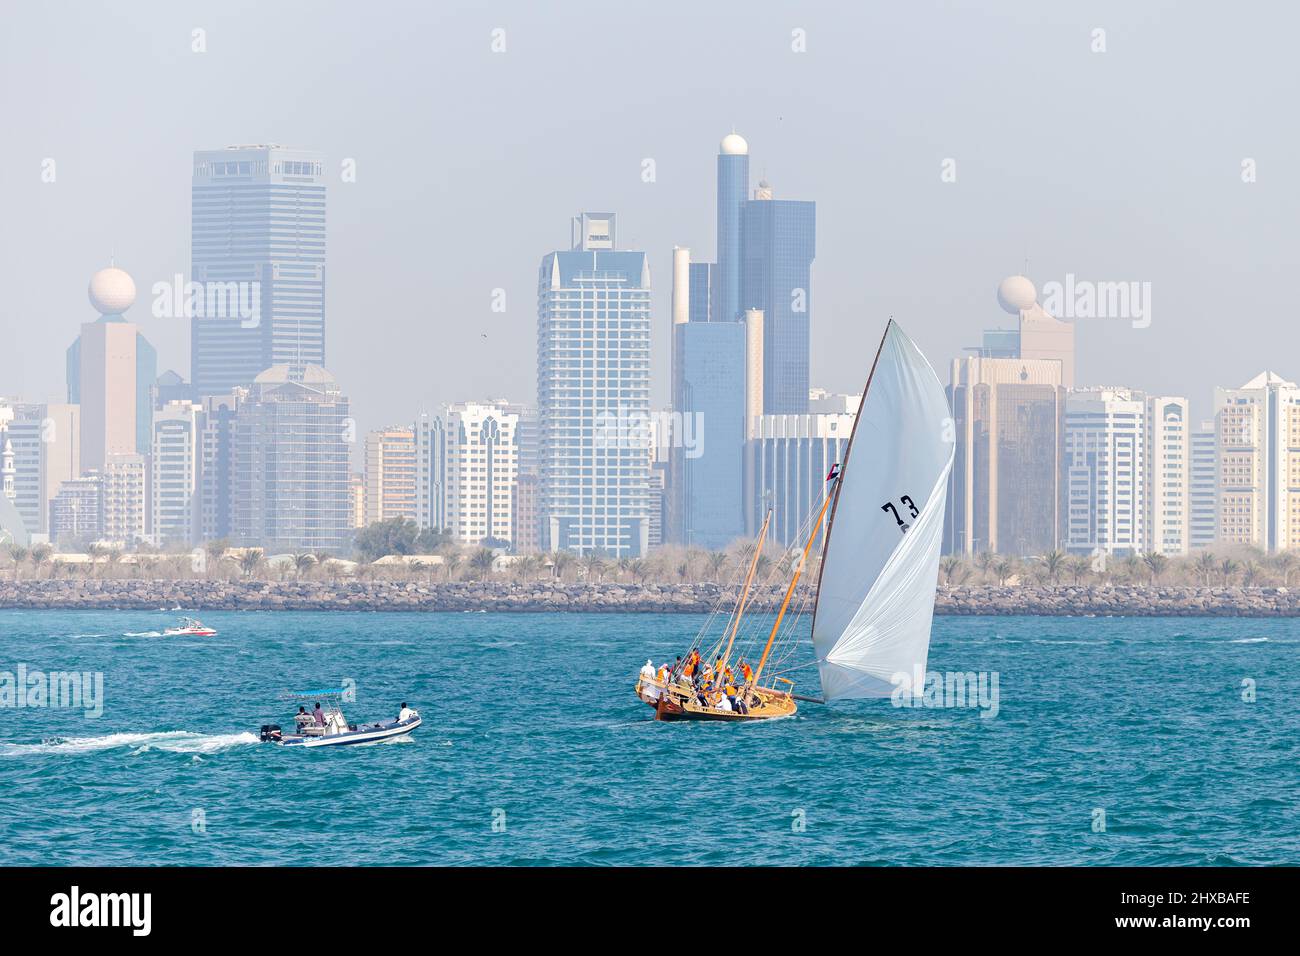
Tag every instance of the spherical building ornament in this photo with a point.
(733, 144)
(1016, 294)
(112, 291)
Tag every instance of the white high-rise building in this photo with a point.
(124, 496)
(46, 443)
(482, 467)
(789, 458)
(390, 474)
(1203, 493)
(1104, 471)
(593, 390)
(174, 474)
(430, 472)
(1258, 427)
(1168, 475)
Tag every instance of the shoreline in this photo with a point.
(615, 598)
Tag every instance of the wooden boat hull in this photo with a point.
(671, 705)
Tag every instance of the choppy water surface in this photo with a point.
(531, 725)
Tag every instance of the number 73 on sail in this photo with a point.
(880, 526)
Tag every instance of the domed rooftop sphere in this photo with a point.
(112, 291)
(733, 144)
(1016, 294)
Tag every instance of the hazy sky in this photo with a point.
(1122, 165)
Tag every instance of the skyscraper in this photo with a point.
(791, 456)
(593, 389)
(45, 441)
(733, 189)
(1105, 471)
(1259, 463)
(258, 239)
(1168, 474)
(217, 464)
(290, 463)
(430, 472)
(776, 277)
(1203, 493)
(390, 474)
(111, 373)
(708, 391)
(175, 463)
(1005, 494)
(124, 495)
(482, 467)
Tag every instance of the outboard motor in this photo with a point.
(270, 733)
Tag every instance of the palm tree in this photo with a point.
(112, 558)
(303, 561)
(560, 562)
(716, 560)
(214, 550)
(251, 561)
(40, 553)
(481, 563)
(1228, 570)
(1252, 574)
(1132, 566)
(1206, 566)
(948, 565)
(18, 554)
(639, 568)
(95, 551)
(1053, 561)
(985, 561)
(1156, 564)
(1003, 568)
(1285, 564)
(525, 567)
(1078, 567)
(593, 565)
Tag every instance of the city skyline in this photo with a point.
(894, 237)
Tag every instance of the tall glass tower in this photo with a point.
(593, 394)
(258, 256)
(733, 188)
(776, 276)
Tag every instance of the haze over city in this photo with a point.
(1117, 165)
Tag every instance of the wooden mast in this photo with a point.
(744, 593)
(812, 536)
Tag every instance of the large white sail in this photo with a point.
(875, 600)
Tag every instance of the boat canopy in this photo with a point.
(880, 561)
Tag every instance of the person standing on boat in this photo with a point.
(405, 713)
(319, 715)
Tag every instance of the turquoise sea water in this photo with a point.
(535, 751)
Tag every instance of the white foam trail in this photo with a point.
(172, 741)
(1249, 640)
(143, 634)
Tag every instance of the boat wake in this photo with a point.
(143, 634)
(1250, 640)
(170, 741)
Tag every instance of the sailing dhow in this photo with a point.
(880, 524)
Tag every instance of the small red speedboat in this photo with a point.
(189, 627)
